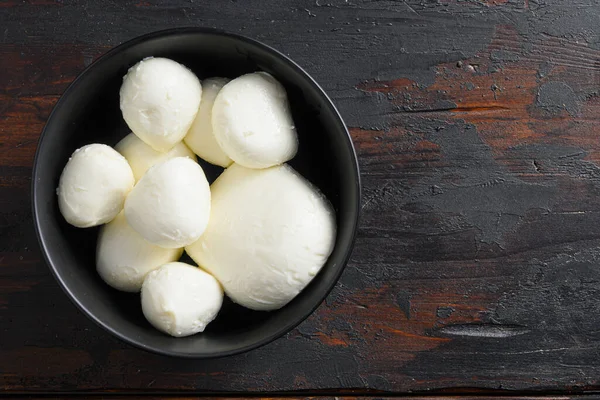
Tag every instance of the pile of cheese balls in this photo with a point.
(259, 233)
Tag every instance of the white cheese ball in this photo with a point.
(170, 205)
(180, 299)
(269, 234)
(159, 101)
(141, 156)
(200, 137)
(123, 257)
(93, 186)
(252, 121)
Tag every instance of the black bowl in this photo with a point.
(88, 112)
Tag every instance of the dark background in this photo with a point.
(477, 264)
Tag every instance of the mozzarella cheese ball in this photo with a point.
(141, 156)
(159, 101)
(200, 137)
(180, 299)
(93, 186)
(170, 205)
(269, 234)
(252, 121)
(123, 257)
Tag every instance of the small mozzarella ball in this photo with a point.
(180, 299)
(252, 121)
(93, 186)
(141, 156)
(269, 234)
(170, 205)
(159, 101)
(123, 257)
(200, 137)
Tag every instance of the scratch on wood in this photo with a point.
(484, 330)
(458, 109)
(410, 8)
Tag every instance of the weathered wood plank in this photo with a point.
(331, 396)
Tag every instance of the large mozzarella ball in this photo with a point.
(200, 138)
(123, 257)
(159, 101)
(170, 205)
(269, 234)
(141, 156)
(93, 186)
(180, 299)
(252, 121)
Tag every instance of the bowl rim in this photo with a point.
(349, 144)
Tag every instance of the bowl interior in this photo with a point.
(89, 112)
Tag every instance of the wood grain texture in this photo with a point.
(116, 396)
(478, 258)
(113, 396)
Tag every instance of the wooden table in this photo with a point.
(477, 265)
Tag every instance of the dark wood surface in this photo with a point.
(327, 395)
(477, 265)
(298, 397)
